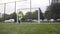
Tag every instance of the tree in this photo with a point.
(28, 15)
(41, 14)
(5, 16)
(48, 15)
(54, 9)
(35, 14)
(13, 16)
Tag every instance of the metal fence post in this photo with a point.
(4, 10)
(38, 16)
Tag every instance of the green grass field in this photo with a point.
(13, 28)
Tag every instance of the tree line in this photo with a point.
(28, 15)
(53, 11)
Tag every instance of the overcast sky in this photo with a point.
(24, 4)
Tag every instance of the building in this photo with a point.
(55, 1)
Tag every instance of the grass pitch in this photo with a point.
(13, 28)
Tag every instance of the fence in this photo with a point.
(9, 11)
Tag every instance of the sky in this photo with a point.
(23, 4)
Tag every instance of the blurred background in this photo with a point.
(31, 10)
